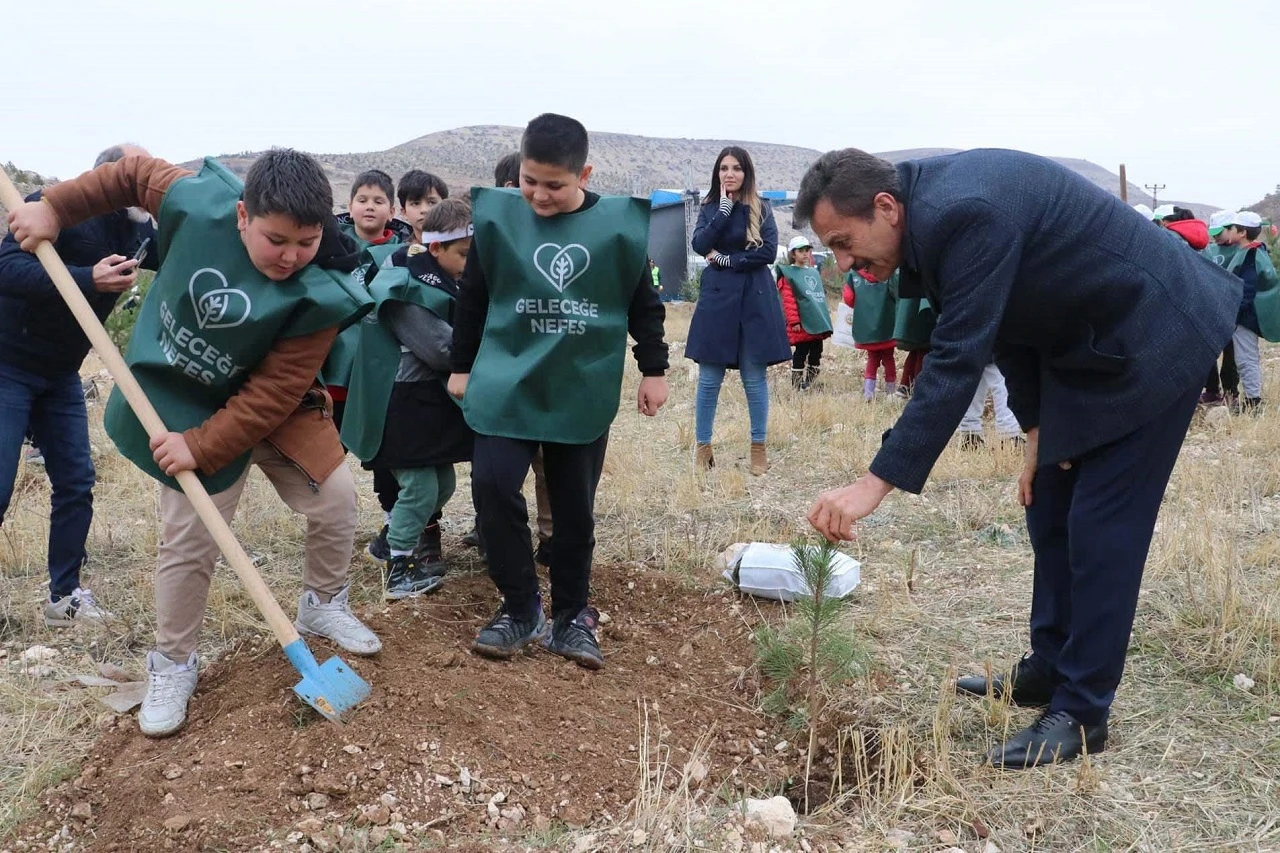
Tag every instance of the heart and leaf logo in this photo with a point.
(561, 265)
(221, 306)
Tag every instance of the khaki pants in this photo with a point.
(543, 499)
(184, 567)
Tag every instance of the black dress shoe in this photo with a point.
(1033, 684)
(1055, 737)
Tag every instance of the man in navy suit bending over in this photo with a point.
(1103, 327)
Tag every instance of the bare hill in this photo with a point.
(624, 163)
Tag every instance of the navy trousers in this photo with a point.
(1090, 528)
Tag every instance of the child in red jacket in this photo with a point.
(804, 304)
(874, 305)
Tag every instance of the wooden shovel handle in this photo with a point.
(146, 413)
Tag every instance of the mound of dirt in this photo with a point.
(449, 744)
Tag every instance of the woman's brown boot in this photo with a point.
(759, 459)
(704, 459)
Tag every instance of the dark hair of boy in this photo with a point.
(452, 214)
(1180, 214)
(374, 178)
(416, 184)
(507, 172)
(287, 181)
(555, 140)
(1250, 234)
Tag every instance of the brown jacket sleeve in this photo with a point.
(273, 392)
(134, 181)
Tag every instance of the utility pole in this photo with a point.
(1155, 194)
(1124, 185)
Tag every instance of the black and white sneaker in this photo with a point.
(574, 637)
(406, 577)
(378, 549)
(80, 607)
(506, 634)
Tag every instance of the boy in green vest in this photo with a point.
(555, 280)
(253, 286)
(418, 192)
(400, 418)
(368, 219)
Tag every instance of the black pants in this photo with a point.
(1230, 376)
(1090, 528)
(810, 351)
(498, 471)
(386, 488)
(384, 484)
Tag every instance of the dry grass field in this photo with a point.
(1194, 760)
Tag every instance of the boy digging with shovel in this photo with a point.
(227, 347)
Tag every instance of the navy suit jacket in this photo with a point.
(1098, 319)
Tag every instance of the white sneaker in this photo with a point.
(78, 607)
(169, 688)
(336, 622)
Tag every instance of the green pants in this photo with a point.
(423, 493)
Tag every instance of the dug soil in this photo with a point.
(449, 746)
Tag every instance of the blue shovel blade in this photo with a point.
(332, 688)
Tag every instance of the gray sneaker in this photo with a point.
(335, 621)
(506, 635)
(169, 688)
(78, 608)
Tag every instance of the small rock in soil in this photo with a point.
(177, 823)
(696, 771)
(82, 811)
(775, 814)
(316, 801)
(173, 773)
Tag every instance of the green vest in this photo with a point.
(1266, 300)
(913, 323)
(378, 359)
(551, 355)
(811, 298)
(874, 308)
(349, 228)
(1220, 255)
(210, 318)
(336, 372)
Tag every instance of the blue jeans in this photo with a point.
(54, 410)
(754, 383)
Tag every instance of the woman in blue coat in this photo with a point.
(738, 320)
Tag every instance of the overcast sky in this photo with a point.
(1164, 87)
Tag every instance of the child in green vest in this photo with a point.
(555, 281)
(368, 219)
(804, 306)
(400, 418)
(418, 192)
(874, 305)
(254, 284)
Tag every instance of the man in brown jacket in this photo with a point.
(228, 345)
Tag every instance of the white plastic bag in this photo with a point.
(843, 333)
(768, 571)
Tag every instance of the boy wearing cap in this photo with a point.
(804, 304)
(1257, 305)
(1223, 384)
